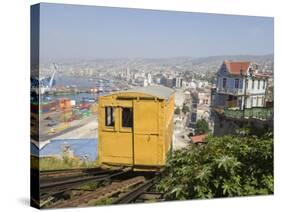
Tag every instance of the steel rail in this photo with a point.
(68, 175)
(46, 173)
(101, 193)
(135, 193)
(50, 189)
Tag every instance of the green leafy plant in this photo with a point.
(185, 109)
(202, 127)
(223, 167)
(177, 111)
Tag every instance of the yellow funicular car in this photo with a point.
(136, 127)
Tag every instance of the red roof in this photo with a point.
(198, 138)
(236, 67)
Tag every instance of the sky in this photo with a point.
(88, 32)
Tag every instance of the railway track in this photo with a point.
(115, 186)
(55, 182)
(92, 198)
(139, 191)
(49, 174)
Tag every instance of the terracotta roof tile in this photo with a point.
(198, 138)
(234, 67)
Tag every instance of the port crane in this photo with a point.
(47, 83)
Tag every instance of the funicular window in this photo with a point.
(127, 117)
(109, 117)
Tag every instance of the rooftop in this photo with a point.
(159, 91)
(235, 67)
(198, 138)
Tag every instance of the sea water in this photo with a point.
(82, 148)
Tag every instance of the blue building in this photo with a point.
(239, 85)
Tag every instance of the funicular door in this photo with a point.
(116, 137)
(145, 136)
(124, 135)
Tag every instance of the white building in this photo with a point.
(191, 85)
(145, 82)
(177, 82)
(149, 78)
(128, 74)
(204, 98)
(179, 98)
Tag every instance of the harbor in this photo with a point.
(65, 111)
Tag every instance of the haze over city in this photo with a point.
(87, 32)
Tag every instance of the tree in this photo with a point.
(185, 109)
(177, 111)
(223, 167)
(202, 126)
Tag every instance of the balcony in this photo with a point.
(233, 91)
(226, 104)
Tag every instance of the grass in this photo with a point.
(89, 186)
(105, 201)
(64, 162)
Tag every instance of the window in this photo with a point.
(263, 84)
(236, 83)
(224, 82)
(253, 84)
(247, 82)
(259, 82)
(252, 101)
(127, 117)
(109, 117)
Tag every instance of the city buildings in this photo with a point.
(200, 108)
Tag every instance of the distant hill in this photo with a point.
(219, 59)
(198, 64)
(211, 59)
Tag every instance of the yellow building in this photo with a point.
(136, 127)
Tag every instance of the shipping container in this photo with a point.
(65, 103)
(85, 106)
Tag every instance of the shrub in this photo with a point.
(202, 127)
(224, 167)
(177, 111)
(185, 109)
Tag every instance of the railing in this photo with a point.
(234, 91)
(226, 104)
(255, 113)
